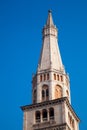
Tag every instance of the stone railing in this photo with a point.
(45, 123)
(52, 126)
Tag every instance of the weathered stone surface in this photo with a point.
(51, 109)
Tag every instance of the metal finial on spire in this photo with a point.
(49, 19)
(50, 11)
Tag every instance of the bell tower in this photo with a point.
(52, 80)
(51, 101)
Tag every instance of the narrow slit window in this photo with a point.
(47, 76)
(58, 77)
(54, 76)
(61, 78)
(40, 78)
(44, 77)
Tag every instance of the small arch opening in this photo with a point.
(45, 92)
(61, 77)
(58, 91)
(44, 115)
(58, 77)
(37, 116)
(54, 76)
(51, 113)
(47, 76)
(40, 78)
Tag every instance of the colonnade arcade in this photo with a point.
(44, 115)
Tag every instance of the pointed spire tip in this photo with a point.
(49, 19)
(50, 11)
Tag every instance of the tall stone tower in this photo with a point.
(51, 101)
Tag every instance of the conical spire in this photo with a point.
(49, 20)
(50, 55)
(50, 76)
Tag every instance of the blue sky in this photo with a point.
(21, 24)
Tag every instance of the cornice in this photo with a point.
(37, 105)
(51, 102)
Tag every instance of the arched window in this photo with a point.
(61, 77)
(47, 76)
(45, 93)
(40, 78)
(58, 91)
(54, 76)
(58, 77)
(71, 120)
(44, 115)
(51, 113)
(37, 116)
